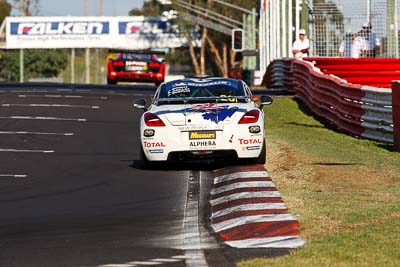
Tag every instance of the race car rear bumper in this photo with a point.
(136, 77)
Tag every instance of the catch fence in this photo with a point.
(353, 23)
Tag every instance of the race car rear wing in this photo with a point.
(136, 51)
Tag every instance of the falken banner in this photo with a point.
(133, 32)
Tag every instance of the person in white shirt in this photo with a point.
(372, 43)
(351, 46)
(301, 46)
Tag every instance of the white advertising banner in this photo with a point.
(133, 32)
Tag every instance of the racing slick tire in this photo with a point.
(263, 155)
(261, 159)
(144, 163)
(109, 81)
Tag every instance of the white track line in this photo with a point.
(117, 265)
(242, 185)
(29, 91)
(14, 175)
(268, 242)
(247, 207)
(244, 195)
(191, 237)
(25, 150)
(34, 133)
(41, 118)
(157, 261)
(237, 175)
(143, 263)
(165, 260)
(64, 96)
(49, 105)
(228, 224)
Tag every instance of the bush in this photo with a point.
(38, 63)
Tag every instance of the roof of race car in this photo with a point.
(205, 81)
(201, 87)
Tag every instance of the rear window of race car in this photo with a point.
(138, 57)
(184, 89)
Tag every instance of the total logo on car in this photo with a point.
(135, 66)
(202, 118)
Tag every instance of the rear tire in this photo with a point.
(262, 158)
(109, 81)
(143, 161)
(263, 155)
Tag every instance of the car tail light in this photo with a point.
(153, 65)
(250, 117)
(153, 120)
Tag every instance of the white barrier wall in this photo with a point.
(131, 32)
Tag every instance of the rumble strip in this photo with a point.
(247, 211)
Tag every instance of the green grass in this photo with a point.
(344, 190)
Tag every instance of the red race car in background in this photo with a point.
(135, 66)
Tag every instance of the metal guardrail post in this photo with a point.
(396, 113)
(21, 65)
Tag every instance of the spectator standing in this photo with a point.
(301, 46)
(351, 46)
(372, 44)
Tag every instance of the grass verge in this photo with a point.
(345, 191)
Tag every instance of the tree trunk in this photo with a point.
(233, 63)
(225, 60)
(217, 56)
(193, 53)
(203, 51)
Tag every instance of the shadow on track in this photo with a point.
(200, 165)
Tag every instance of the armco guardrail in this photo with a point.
(356, 109)
(396, 113)
(377, 72)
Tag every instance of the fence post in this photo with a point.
(396, 113)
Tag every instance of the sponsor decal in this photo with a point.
(135, 63)
(179, 90)
(59, 28)
(202, 143)
(201, 127)
(153, 144)
(156, 151)
(249, 141)
(202, 135)
(215, 113)
(142, 26)
(202, 84)
(231, 140)
(253, 147)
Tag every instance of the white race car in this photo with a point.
(202, 118)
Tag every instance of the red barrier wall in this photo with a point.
(396, 113)
(377, 72)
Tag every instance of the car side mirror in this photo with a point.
(265, 100)
(140, 104)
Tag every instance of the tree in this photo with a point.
(217, 44)
(26, 7)
(150, 8)
(214, 55)
(38, 64)
(5, 10)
